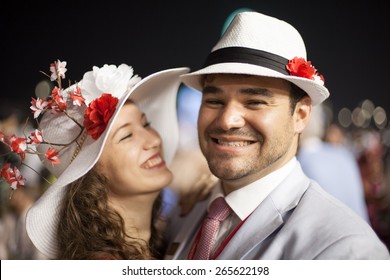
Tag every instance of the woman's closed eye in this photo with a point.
(126, 137)
(130, 134)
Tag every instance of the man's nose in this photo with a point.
(231, 117)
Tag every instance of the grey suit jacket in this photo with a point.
(297, 221)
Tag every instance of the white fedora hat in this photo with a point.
(156, 97)
(261, 45)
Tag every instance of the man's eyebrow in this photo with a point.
(257, 92)
(211, 89)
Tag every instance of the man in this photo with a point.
(257, 94)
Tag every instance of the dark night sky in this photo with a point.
(348, 44)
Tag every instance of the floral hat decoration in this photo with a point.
(73, 125)
(68, 117)
(261, 45)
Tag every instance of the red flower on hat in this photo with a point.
(98, 114)
(299, 67)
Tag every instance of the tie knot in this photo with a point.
(219, 209)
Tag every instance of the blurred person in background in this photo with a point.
(334, 134)
(333, 166)
(371, 159)
(19, 244)
(15, 242)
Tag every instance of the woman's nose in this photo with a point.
(153, 139)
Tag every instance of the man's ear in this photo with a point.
(302, 114)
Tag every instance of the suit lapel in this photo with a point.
(268, 216)
(251, 232)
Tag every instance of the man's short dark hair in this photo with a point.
(296, 95)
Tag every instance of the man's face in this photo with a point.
(246, 127)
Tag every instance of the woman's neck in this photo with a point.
(136, 212)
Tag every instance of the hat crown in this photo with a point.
(58, 128)
(65, 132)
(277, 36)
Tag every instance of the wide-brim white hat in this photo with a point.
(156, 97)
(261, 45)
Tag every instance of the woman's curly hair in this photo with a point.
(90, 229)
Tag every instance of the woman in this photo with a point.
(118, 195)
(109, 161)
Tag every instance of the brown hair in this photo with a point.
(90, 229)
(296, 95)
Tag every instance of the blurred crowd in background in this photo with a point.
(364, 132)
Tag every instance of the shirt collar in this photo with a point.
(254, 193)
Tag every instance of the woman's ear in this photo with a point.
(302, 114)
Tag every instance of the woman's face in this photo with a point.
(132, 159)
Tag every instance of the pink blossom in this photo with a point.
(18, 144)
(57, 69)
(38, 106)
(36, 137)
(17, 180)
(77, 98)
(52, 155)
(12, 176)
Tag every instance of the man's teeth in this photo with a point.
(234, 144)
(153, 162)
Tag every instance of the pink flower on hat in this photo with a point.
(52, 155)
(12, 176)
(18, 145)
(35, 137)
(77, 98)
(299, 67)
(57, 70)
(58, 101)
(38, 106)
(99, 113)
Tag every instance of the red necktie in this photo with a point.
(219, 211)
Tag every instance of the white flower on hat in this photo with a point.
(319, 80)
(108, 79)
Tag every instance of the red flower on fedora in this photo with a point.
(299, 67)
(98, 114)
